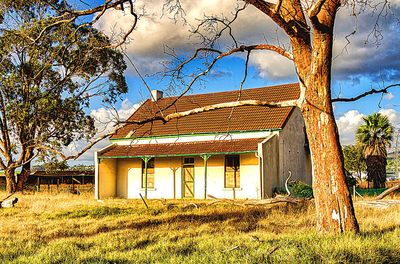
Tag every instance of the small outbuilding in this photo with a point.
(242, 152)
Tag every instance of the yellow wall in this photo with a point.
(123, 165)
(107, 178)
(122, 178)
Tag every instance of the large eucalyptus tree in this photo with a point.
(53, 62)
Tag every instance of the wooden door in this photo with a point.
(188, 181)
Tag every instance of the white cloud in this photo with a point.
(272, 66)
(253, 27)
(154, 32)
(388, 96)
(392, 114)
(347, 125)
(105, 119)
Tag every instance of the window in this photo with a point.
(188, 161)
(150, 173)
(232, 171)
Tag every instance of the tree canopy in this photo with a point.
(354, 160)
(49, 73)
(375, 136)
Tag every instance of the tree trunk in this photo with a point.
(10, 180)
(335, 212)
(333, 202)
(25, 172)
(376, 170)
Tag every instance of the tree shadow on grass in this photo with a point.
(241, 219)
(379, 232)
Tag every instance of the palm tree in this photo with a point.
(375, 135)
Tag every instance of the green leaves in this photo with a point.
(50, 73)
(375, 135)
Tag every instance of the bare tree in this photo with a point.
(309, 27)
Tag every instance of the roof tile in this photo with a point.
(244, 118)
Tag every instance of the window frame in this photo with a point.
(237, 176)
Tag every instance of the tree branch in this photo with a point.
(198, 110)
(372, 91)
(315, 8)
(91, 144)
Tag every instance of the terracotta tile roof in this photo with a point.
(243, 119)
(187, 148)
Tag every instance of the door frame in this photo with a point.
(183, 177)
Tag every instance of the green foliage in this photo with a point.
(82, 167)
(300, 189)
(374, 136)
(391, 164)
(50, 72)
(371, 192)
(350, 181)
(54, 164)
(354, 160)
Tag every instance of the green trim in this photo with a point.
(195, 134)
(205, 158)
(145, 159)
(177, 155)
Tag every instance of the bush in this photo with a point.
(300, 189)
(350, 180)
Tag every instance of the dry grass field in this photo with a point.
(45, 228)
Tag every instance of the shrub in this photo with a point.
(300, 189)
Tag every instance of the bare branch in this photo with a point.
(198, 110)
(70, 16)
(221, 55)
(246, 67)
(91, 144)
(208, 24)
(372, 91)
(144, 81)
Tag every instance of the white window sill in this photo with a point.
(231, 189)
(149, 189)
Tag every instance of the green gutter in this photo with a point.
(195, 134)
(178, 155)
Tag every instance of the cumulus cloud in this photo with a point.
(105, 119)
(388, 96)
(155, 32)
(272, 66)
(392, 115)
(360, 57)
(367, 53)
(347, 125)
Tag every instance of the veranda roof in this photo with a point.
(183, 149)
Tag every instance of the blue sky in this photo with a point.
(364, 63)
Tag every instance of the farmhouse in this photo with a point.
(245, 152)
